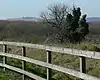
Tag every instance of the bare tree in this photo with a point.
(56, 16)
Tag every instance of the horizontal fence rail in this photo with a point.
(81, 53)
(22, 71)
(52, 66)
(88, 54)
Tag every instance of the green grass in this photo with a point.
(9, 75)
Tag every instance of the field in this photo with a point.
(34, 32)
(95, 28)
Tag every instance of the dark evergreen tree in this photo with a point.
(77, 28)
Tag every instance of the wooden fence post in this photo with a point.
(23, 62)
(4, 58)
(82, 65)
(49, 77)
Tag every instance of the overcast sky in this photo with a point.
(20, 8)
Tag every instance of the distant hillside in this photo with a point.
(25, 19)
(36, 19)
(93, 19)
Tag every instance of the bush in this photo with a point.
(89, 47)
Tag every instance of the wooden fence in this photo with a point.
(49, 49)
